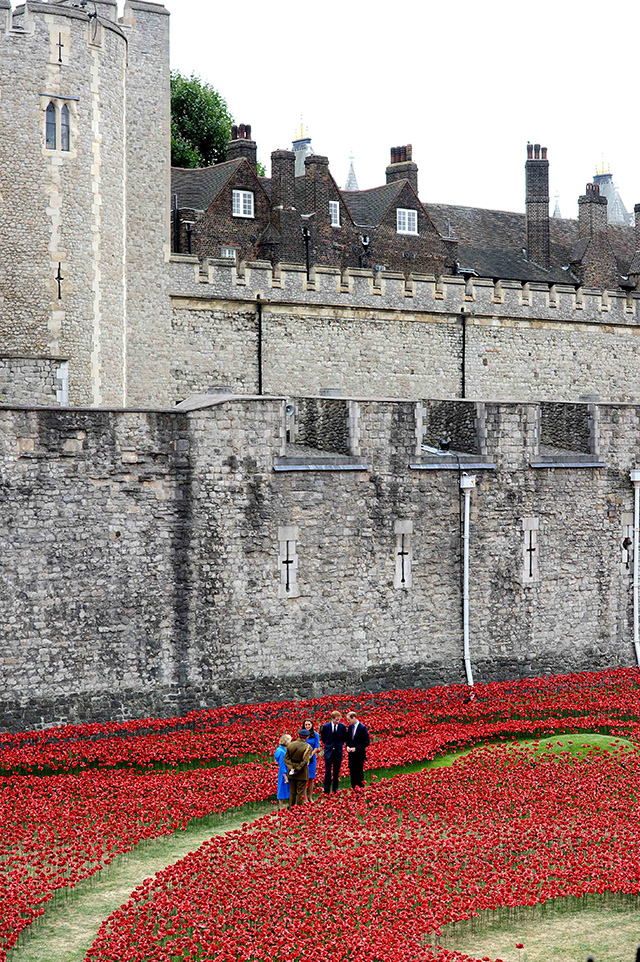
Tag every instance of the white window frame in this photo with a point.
(406, 220)
(334, 212)
(242, 204)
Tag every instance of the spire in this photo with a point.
(352, 181)
(556, 212)
(301, 147)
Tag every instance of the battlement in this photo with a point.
(19, 21)
(385, 290)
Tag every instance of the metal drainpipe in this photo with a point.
(463, 365)
(306, 233)
(635, 477)
(467, 484)
(259, 303)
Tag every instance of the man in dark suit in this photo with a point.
(357, 742)
(333, 736)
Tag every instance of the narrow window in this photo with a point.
(530, 566)
(51, 127)
(334, 213)
(288, 561)
(65, 129)
(242, 203)
(406, 221)
(404, 555)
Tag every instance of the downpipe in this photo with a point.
(635, 477)
(467, 485)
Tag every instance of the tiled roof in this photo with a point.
(491, 242)
(199, 187)
(368, 207)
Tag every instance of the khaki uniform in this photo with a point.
(297, 761)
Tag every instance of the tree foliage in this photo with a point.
(200, 122)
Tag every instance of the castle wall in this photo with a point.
(148, 186)
(189, 518)
(29, 380)
(377, 334)
(61, 211)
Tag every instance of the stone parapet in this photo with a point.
(479, 297)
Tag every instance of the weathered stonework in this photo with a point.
(370, 334)
(76, 223)
(182, 514)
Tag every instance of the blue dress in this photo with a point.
(283, 786)
(314, 741)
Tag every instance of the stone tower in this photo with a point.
(84, 184)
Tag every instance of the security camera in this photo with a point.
(444, 444)
(289, 410)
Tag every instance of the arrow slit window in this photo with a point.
(288, 561)
(530, 554)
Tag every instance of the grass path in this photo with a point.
(68, 928)
(70, 923)
(607, 929)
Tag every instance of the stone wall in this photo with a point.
(143, 555)
(373, 334)
(33, 381)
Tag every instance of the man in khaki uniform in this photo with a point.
(299, 752)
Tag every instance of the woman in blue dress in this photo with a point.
(314, 741)
(283, 780)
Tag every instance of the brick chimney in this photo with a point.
(593, 258)
(283, 173)
(241, 145)
(317, 187)
(634, 269)
(402, 166)
(537, 202)
(592, 212)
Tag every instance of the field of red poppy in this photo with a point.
(387, 869)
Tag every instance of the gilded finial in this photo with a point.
(303, 132)
(603, 169)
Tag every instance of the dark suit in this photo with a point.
(359, 741)
(333, 744)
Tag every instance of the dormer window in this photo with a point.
(242, 204)
(334, 213)
(406, 221)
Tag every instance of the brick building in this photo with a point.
(302, 216)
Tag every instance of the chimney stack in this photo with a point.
(283, 174)
(241, 145)
(592, 212)
(402, 166)
(537, 203)
(317, 187)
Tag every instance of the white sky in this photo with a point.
(466, 82)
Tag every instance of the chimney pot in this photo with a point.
(536, 148)
(248, 130)
(544, 153)
(234, 132)
(529, 151)
(393, 155)
(409, 151)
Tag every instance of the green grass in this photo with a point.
(564, 930)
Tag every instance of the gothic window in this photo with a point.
(406, 221)
(65, 129)
(334, 213)
(242, 204)
(51, 128)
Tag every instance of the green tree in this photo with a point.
(200, 122)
